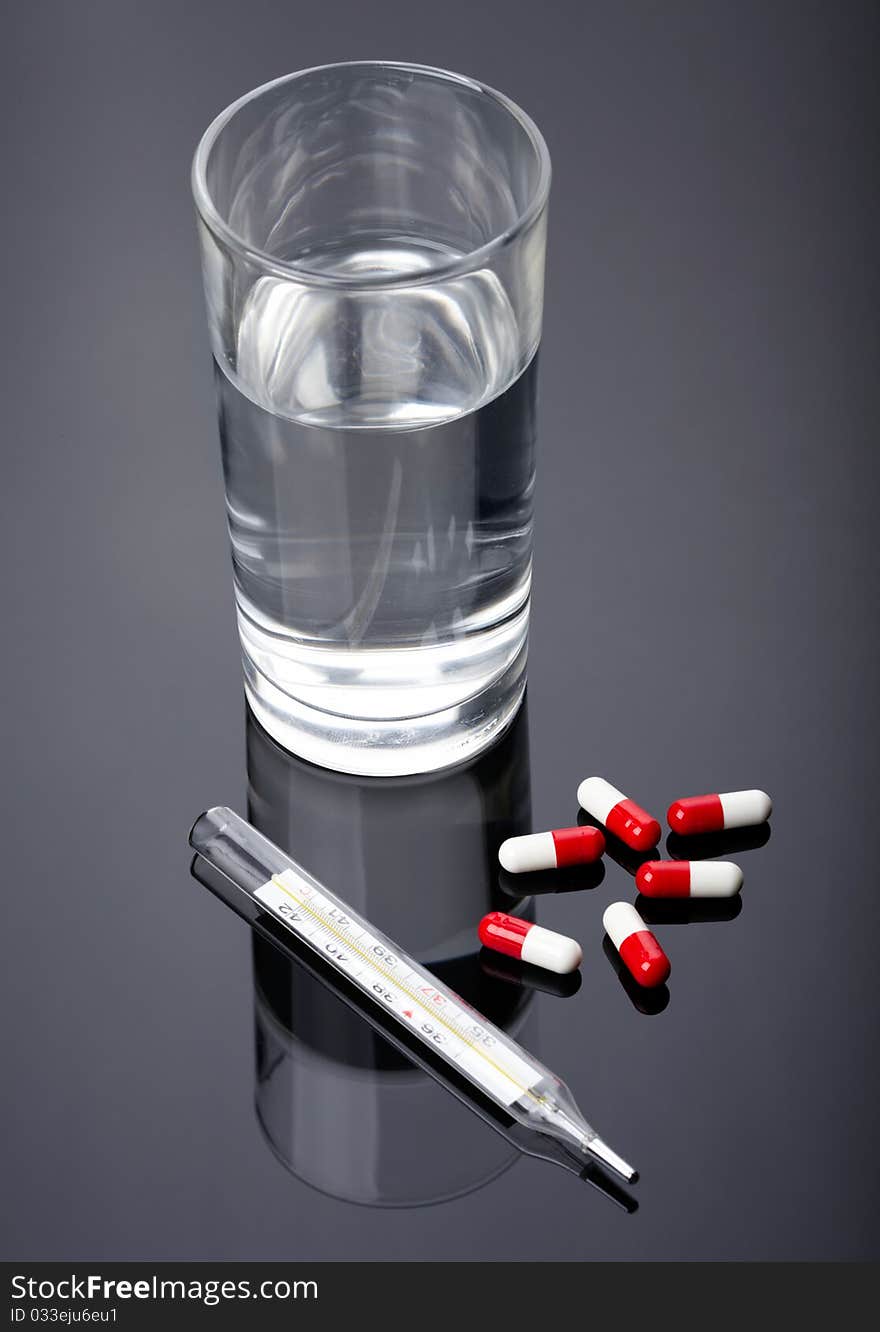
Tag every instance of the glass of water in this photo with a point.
(373, 243)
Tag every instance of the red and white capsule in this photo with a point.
(530, 943)
(689, 878)
(551, 850)
(714, 813)
(639, 951)
(621, 816)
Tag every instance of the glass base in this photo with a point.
(396, 746)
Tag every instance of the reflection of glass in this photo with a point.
(341, 1107)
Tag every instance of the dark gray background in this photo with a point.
(703, 618)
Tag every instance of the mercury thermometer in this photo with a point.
(441, 1022)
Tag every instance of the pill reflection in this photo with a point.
(514, 972)
(687, 910)
(715, 846)
(540, 883)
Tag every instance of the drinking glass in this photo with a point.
(372, 241)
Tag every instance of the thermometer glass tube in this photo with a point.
(440, 1020)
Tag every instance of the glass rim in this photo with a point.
(465, 263)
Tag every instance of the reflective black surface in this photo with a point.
(703, 619)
